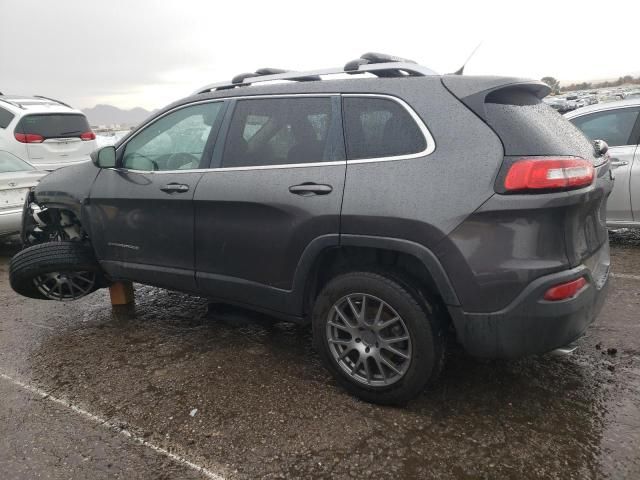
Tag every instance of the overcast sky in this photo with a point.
(147, 53)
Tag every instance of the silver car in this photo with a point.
(618, 124)
(16, 178)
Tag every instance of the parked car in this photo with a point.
(557, 103)
(17, 177)
(574, 102)
(591, 99)
(47, 133)
(384, 209)
(617, 123)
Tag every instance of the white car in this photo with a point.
(47, 133)
(618, 124)
(16, 178)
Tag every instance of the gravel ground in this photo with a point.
(170, 387)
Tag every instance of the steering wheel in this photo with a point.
(153, 163)
(179, 159)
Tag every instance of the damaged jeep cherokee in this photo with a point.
(382, 203)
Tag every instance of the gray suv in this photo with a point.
(382, 203)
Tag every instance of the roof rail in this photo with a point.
(377, 64)
(53, 100)
(373, 58)
(241, 78)
(17, 105)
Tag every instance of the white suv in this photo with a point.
(47, 133)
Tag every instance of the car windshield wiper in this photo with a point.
(72, 131)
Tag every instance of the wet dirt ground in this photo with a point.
(170, 388)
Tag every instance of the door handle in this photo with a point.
(615, 163)
(175, 188)
(308, 189)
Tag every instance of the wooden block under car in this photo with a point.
(121, 293)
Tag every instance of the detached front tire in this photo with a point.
(55, 271)
(381, 339)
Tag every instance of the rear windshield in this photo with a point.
(527, 126)
(54, 125)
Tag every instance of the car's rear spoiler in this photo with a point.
(473, 91)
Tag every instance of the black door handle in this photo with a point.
(308, 189)
(175, 188)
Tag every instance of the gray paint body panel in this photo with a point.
(249, 226)
(139, 225)
(68, 187)
(412, 199)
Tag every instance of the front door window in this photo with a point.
(612, 126)
(176, 141)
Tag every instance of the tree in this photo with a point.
(553, 84)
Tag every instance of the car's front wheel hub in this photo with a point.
(65, 285)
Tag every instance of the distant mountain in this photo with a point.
(108, 115)
(598, 80)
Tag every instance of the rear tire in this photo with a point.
(373, 355)
(55, 271)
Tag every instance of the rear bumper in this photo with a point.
(531, 325)
(10, 221)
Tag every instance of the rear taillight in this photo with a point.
(88, 136)
(565, 290)
(28, 137)
(532, 174)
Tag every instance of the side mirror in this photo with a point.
(601, 147)
(104, 157)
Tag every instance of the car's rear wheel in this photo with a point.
(55, 271)
(381, 340)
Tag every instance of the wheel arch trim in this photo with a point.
(416, 250)
(422, 253)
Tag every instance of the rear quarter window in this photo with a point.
(54, 125)
(5, 117)
(379, 127)
(528, 126)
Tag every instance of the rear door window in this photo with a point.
(281, 131)
(54, 125)
(613, 126)
(380, 127)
